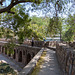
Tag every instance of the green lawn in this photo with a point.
(5, 69)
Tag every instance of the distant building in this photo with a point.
(53, 39)
(56, 38)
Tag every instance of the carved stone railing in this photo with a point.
(50, 44)
(41, 43)
(72, 44)
(36, 43)
(27, 70)
(66, 58)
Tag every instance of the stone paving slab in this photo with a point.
(12, 64)
(50, 66)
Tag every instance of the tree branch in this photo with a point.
(15, 2)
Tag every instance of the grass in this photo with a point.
(5, 69)
(39, 63)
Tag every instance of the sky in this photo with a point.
(30, 12)
(39, 13)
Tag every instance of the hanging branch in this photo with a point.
(13, 3)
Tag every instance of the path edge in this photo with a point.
(27, 70)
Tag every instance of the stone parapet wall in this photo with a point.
(41, 43)
(66, 58)
(50, 44)
(27, 70)
(28, 42)
(22, 53)
(36, 43)
(25, 53)
(72, 44)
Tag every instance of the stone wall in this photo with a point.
(25, 53)
(41, 43)
(72, 44)
(36, 43)
(66, 58)
(22, 54)
(27, 70)
(50, 44)
(28, 42)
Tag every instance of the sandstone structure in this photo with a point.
(22, 54)
(66, 58)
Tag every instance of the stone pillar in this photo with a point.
(0, 49)
(4, 50)
(24, 59)
(16, 56)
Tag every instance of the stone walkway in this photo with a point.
(12, 64)
(50, 66)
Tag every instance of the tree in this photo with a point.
(55, 7)
(20, 23)
(47, 5)
(2, 32)
(9, 47)
(70, 32)
(36, 32)
(16, 24)
(55, 26)
(6, 33)
(13, 3)
(39, 27)
(69, 35)
(9, 34)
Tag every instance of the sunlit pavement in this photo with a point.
(12, 64)
(50, 66)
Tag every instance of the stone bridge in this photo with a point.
(65, 54)
(22, 54)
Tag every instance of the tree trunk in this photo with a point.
(60, 36)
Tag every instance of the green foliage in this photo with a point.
(22, 27)
(9, 47)
(71, 21)
(36, 32)
(54, 7)
(70, 32)
(20, 22)
(6, 33)
(9, 33)
(55, 26)
(5, 69)
(69, 35)
(39, 27)
(1, 32)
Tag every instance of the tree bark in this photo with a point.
(15, 2)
